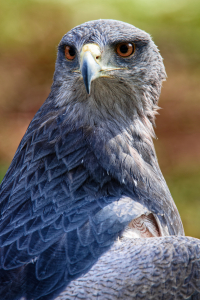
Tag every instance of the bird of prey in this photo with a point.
(85, 175)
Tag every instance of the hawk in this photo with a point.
(85, 174)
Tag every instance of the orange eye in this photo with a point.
(70, 52)
(125, 49)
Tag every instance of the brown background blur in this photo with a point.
(29, 34)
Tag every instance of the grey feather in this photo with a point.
(163, 268)
(85, 168)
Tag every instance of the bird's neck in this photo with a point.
(115, 120)
(111, 104)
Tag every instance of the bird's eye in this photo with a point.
(125, 49)
(70, 52)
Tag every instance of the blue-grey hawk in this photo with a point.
(85, 175)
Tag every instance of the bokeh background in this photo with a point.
(29, 33)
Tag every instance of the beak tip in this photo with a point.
(87, 89)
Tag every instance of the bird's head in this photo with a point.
(108, 69)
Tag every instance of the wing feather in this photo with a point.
(61, 208)
(52, 204)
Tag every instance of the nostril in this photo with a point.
(97, 57)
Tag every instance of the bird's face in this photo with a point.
(109, 65)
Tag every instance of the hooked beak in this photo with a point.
(90, 67)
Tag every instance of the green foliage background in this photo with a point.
(30, 31)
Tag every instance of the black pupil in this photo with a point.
(72, 51)
(124, 48)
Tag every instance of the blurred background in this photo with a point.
(30, 31)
